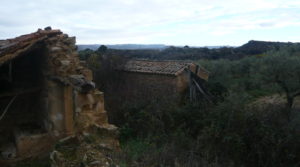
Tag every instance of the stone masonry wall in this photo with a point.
(73, 107)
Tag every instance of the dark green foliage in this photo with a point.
(44, 162)
(102, 49)
(85, 54)
(258, 47)
(277, 71)
(193, 53)
(229, 134)
(283, 71)
(232, 132)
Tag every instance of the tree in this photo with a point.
(94, 62)
(102, 49)
(85, 54)
(282, 70)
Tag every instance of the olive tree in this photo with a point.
(281, 69)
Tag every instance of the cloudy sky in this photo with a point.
(173, 22)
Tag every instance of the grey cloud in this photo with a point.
(267, 24)
(138, 19)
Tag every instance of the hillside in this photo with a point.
(138, 46)
(258, 47)
(123, 46)
(188, 53)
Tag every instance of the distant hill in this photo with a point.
(124, 46)
(252, 47)
(138, 46)
(216, 47)
(164, 52)
(258, 47)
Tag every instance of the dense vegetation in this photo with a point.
(192, 53)
(244, 128)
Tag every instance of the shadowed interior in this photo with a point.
(22, 98)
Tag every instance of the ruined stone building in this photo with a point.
(46, 94)
(160, 78)
(159, 82)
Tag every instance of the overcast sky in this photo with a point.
(172, 22)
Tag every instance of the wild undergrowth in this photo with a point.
(233, 132)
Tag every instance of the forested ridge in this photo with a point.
(193, 53)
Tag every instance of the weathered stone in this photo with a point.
(95, 163)
(71, 104)
(65, 62)
(55, 49)
(67, 139)
(57, 159)
(33, 144)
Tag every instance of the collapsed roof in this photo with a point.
(69, 65)
(174, 68)
(11, 48)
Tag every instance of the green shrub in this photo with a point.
(229, 133)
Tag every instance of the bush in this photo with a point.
(229, 134)
(233, 132)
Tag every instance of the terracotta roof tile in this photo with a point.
(9, 47)
(156, 67)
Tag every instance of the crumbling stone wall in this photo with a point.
(72, 105)
(83, 111)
